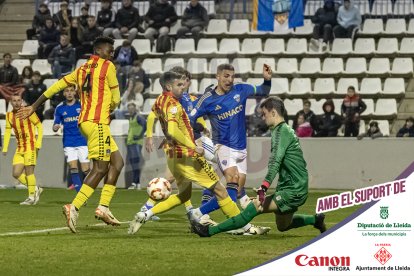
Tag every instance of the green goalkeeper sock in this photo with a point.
(235, 222)
(301, 220)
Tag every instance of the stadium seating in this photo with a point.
(20, 64)
(251, 46)
(402, 66)
(207, 46)
(287, 66)
(370, 86)
(300, 87)
(342, 46)
(143, 46)
(378, 66)
(355, 66)
(43, 66)
(184, 46)
(310, 66)
(197, 66)
(119, 127)
(3, 109)
(280, 86)
(49, 82)
(393, 87)
(364, 46)
(239, 26)
(48, 128)
(324, 87)
(29, 48)
(274, 46)
(343, 85)
(387, 46)
(172, 62)
(385, 108)
(217, 27)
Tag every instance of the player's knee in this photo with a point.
(233, 178)
(16, 175)
(220, 191)
(100, 170)
(282, 227)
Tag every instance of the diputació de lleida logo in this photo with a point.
(384, 212)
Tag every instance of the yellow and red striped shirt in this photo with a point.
(98, 87)
(180, 138)
(24, 130)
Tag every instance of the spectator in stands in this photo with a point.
(306, 112)
(373, 131)
(137, 77)
(83, 18)
(75, 33)
(159, 17)
(39, 21)
(327, 124)
(303, 128)
(255, 124)
(54, 101)
(348, 19)
(125, 55)
(48, 39)
(62, 17)
(408, 129)
(106, 18)
(9, 79)
(324, 20)
(137, 128)
(62, 58)
(127, 20)
(194, 20)
(88, 37)
(351, 109)
(33, 91)
(26, 77)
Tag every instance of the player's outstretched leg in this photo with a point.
(148, 206)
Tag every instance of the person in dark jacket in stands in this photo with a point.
(125, 56)
(62, 17)
(126, 21)
(88, 37)
(62, 58)
(9, 79)
(408, 129)
(306, 112)
(48, 39)
(106, 18)
(324, 20)
(373, 131)
(159, 17)
(33, 91)
(327, 124)
(351, 109)
(83, 18)
(194, 20)
(39, 21)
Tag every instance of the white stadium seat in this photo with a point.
(300, 87)
(251, 46)
(49, 82)
(287, 66)
(172, 62)
(204, 83)
(119, 127)
(142, 46)
(364, 46)
(370, 86)
(410, 29)
(297, 46)
(407, 45)
(152, 65)
(379, 66)
(242, 65)
(274, 46)
(387, 45)
(332, 66)
(306, 29)
(118, 42)
(175, 27)
(258, 67)
(229, 45)
(373, 26)
(384, 126)
(355, 66)
(156, 88)
(386, 107)
(250, 106)
(43, 66)
(239, 26)
(341, 46)
(324, 86)
(310, 66)
(293, 106)
(395, 26)
(207, 46)
(197, 66)
(280, 86)
(393, 87)
(146, 109)
(370, 107)
(402, 66)
(29, 48)
(214, 62)
(317, 106)
(48, 128)
(20, 64)
(3, 109)
(217, 26)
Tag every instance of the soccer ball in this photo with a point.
(159, 188)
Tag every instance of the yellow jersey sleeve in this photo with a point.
(113, 86)
(174, 114)
(36, 122)
(7, 134)
(150, 124)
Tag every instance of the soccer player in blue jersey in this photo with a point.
(74, 144)
(225, 107)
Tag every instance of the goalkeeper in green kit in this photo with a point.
(286, 159)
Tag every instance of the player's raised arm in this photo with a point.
(38, 125)
(25, 111)
(264, 88)
(7, 135)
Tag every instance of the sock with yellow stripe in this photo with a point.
(82, 196)
(31, 184)
(188, 205)
(108, 192)
(22, 179)
(235, 222)
(229, 207)
(164, 206)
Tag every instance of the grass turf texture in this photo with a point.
(158, 248)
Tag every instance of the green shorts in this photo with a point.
(288, 202)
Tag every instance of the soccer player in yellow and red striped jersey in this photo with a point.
(99, 94)
(24, 160)
(184, 159)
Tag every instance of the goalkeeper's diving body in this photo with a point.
(287, 160)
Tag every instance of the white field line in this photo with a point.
(48, 230)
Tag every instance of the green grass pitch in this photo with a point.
(157, 249)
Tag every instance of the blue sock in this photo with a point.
(76, 180)
(242, 193)
(213, 205)
(206, 196)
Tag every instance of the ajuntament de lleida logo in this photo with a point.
(384, 212)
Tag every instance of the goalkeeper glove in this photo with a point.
(261, 192)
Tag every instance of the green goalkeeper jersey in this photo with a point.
(286, 158)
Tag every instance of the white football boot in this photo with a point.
(139, 219)
(71, 216)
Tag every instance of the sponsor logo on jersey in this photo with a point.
(78, 110)
(64, 113)
(71, 119)
(193, 112)
(230, 113)
(217, 107)
(173, 110)
(237, 98)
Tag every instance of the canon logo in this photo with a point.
(304, 260)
